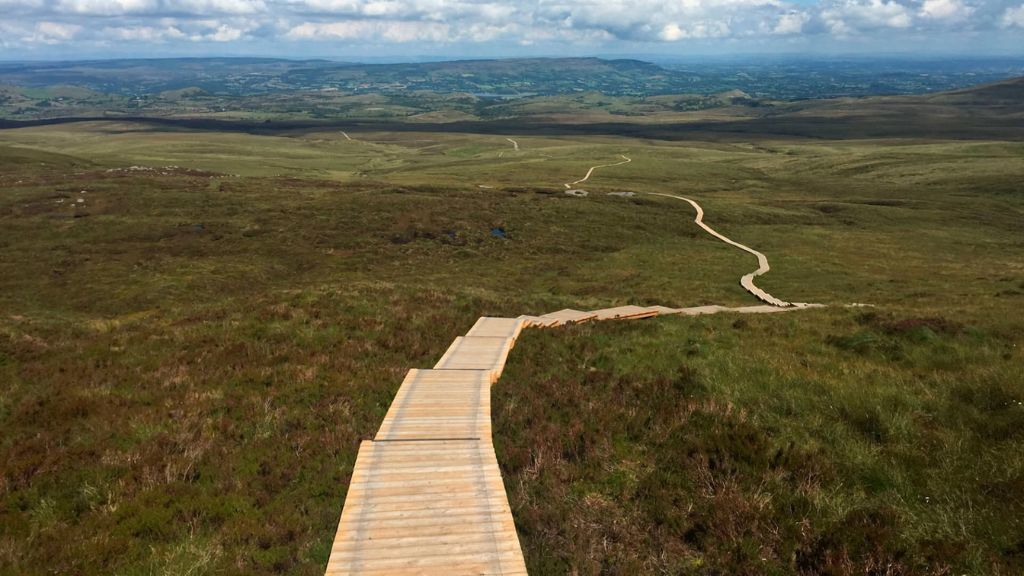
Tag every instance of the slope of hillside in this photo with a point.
(987, 111)
(1006, 93)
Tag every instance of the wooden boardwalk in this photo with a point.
(628, 312)
(477, 353)
(440, 405)
(497, 328)
(567, 316)
(426, 496)
(434, 507)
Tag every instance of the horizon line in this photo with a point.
(646, 57)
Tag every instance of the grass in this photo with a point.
(190, 356)
(660, 448)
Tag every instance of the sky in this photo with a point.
(410, 30)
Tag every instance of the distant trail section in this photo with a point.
(515, 145)
(345, 134)
(747, 281)
(626, 160)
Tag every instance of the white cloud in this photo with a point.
(576, 22)
(382, 8)
(791, 23)
(123, 7)
(499, 13)
(949, 10)
(52, 33)
(392, 31)
(487, 32)
(9, 6)
(672, 32)
(495, 12)
(659, 20)
(1013, 17)
(224, 33)
(216, 6)
(143, 33)
(847, 17)
(564, 36)
(173, 29)
(106, 7)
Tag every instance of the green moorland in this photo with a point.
(192, 349)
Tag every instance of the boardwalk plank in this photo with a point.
(497, 327)
(476, 353)
(699, 310)
(464, 528)
(440, 404)
(538, 321)
(664, 310)
(568, 316)
(624, 312)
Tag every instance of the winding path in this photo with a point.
(747, 281)
(515, 145)
(426, 495)
(592, 168)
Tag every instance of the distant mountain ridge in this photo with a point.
(511, 77)
(505, 77)
(235, 76)
(992, 111)
(560, 91)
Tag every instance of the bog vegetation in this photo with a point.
(198, 328)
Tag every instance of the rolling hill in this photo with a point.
(238, 76)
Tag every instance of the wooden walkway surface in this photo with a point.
(426, 507)
(477, 353)
(426, 495)
(440, 405)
